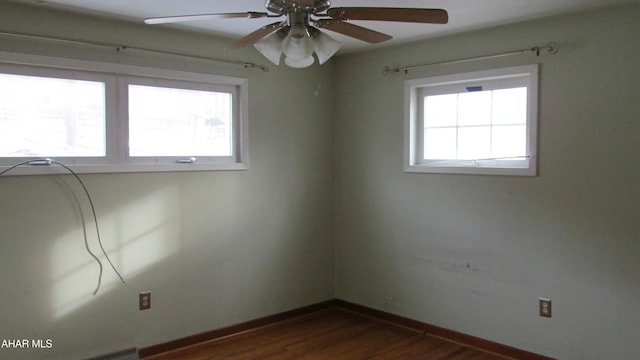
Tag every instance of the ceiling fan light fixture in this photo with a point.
(299, 37)
(325, 47)
(271, 47)
(299, 63)
(298, 44)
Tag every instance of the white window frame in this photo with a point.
(116, 78)
(415, 91)
(186, 85)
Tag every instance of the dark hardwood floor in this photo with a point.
(332, 334)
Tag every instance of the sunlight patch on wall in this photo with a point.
(136, 236)
(149, 230)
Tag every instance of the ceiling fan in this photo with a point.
(299, 36)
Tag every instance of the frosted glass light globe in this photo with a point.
(298, 44)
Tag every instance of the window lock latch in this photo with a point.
(41, 162)
(190, 160)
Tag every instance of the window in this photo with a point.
(47, 116)
(475, 123)
(100, 117)
(179, 122)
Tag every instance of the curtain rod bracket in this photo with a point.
(256, 66)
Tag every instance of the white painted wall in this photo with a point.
(214, 248)
(470, 253)
(474, 253)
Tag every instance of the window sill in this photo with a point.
(54, 169)
(471, 170)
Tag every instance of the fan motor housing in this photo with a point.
(281, 7)
(321, 6)
(276, 6)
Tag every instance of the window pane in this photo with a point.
(441, 110)
(179, 122)
(474, 142)
(481, 124)
(510, 106)
(440, 144)
(42, 116)
(509, 141)
(474, 108)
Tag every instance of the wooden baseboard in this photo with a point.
(233, 329)
(454, 336)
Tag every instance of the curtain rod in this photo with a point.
(120, 47)
(551, 48)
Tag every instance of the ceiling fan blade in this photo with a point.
(184, 18)
(354, 31)
(429, 16)
(257, 35)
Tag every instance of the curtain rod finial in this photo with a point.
(553, 47)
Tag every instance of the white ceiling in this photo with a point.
(464, 15)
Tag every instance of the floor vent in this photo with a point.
(128, 354)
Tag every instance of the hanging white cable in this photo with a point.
(46, 162)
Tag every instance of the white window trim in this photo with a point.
(116, 158)
(412, 141)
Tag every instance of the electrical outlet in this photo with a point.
(145, 300)
(545, 307)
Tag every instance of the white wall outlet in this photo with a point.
(545, 307)
(144, 300)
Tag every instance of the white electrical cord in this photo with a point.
(47, 162)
